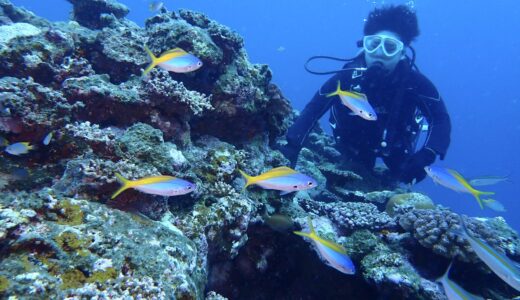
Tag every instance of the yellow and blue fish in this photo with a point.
(335, 255)
(156, 185)
(500, 264)
(19, 148)
(453, 180)
(282, 179)
(174, 60)
(454, 291)
(357, 102)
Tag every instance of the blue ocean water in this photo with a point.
(468, 49)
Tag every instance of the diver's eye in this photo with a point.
(310, 183)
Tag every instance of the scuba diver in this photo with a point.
(379, 103)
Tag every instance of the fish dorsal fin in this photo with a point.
(152, 180)
(331, 245)
(352, 94)
(324, 242)
(176, 52)
(358, 96)
(460, 178)
(280, 171)
(454, 173)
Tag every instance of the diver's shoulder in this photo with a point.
(422, 85)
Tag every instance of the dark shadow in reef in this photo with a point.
(475, 278)
(274, 265)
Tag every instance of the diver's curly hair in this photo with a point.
(399, 19)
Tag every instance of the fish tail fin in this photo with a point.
(337, 91)
(311, 232)
(152, 64)
(301, 233)
(462, 231)
(477, 194)
(446, 273)
(29, 146)
(248, 178)
(125, 184)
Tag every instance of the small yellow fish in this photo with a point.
(174, 60)
(156, 185)
(283, 179)
(335, 255)
(357, 102)
(454, 181)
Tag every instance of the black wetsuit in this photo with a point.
(398, 100)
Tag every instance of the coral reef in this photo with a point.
(349, 216)
(63, 237)
(434, 229)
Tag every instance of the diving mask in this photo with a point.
(391, 46)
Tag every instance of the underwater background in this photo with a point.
(469, 50)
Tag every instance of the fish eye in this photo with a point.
(295, 186)
(310, 183)
(189, 187)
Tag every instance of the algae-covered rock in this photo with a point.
(110, 253)
(394, 277)
(91, 13)
(414, 200)
(16, 30)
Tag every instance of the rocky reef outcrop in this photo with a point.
(78, 86)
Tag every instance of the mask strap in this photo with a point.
(306, 65)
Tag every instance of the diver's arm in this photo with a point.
(435, 112)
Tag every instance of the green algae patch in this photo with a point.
(70, 214)
(4, 284)
(70, 242)
(72, 279)
(102, 276)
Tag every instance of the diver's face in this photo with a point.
(380, 50)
